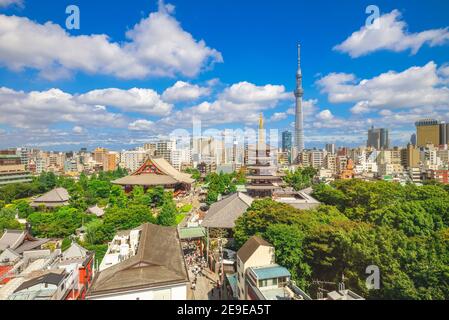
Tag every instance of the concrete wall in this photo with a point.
(168, 293)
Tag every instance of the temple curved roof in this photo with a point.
(155, 172)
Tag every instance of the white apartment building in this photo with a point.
(330, 162)
(180, 157)
(317, 158)
(132, 159)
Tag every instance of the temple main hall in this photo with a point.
(156, 172)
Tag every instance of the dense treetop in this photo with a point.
(404, 230)
(122, 211)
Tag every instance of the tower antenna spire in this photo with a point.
(299, 122)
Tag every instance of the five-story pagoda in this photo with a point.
(262, 178)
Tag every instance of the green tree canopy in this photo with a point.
(167, 216)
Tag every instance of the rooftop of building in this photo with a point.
(343, 295)
(250, 246)
(270, 272)
(192, 233)
(155, 172)
(96, 210)
(297, 199)
(224, 213)
(54, 198)
(51, 277)
(19, 241)
(159, 261)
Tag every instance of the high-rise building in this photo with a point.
(444, 133)
(133, 159)
(164, 149)
(112, 161)
(410, 157)
(428, 132)
(286, 141)
(331, 148)
(413, 139)
(100, 156)
(299, 122)
(378, 138)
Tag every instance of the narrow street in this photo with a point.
(205, 288)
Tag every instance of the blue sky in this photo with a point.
(121, 78)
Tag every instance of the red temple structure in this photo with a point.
(156, 172)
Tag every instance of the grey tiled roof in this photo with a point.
(55, 195)
(224, 213)
(159, 261)
(54, 198)
(31, 245)
(11, 239)
(20, 241)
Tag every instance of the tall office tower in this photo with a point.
(413, 139)
(299, 123)
(331, 148)
(286, 141)
(428, 132)
(443, 133)
(378, 138)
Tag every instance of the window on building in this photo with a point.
(268, 283)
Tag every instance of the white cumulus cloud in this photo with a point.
(278, 116)
(146, 101)
(245, 92)
(141, 125)
(78, 130)
(239, 103)
(392, 35)
(43, 108)
(416, 87)
(184, 91)
(157, 46)
(325, 115)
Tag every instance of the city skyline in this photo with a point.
(59, 101)
(221, 152)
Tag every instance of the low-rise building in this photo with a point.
(12, 170)
(49, 285)
(78, 261)
(259, 277)
(156, 271)
(441, 176)
(42, 274)
(297, 199)
(55, 198)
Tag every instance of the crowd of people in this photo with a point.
(196, 262)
